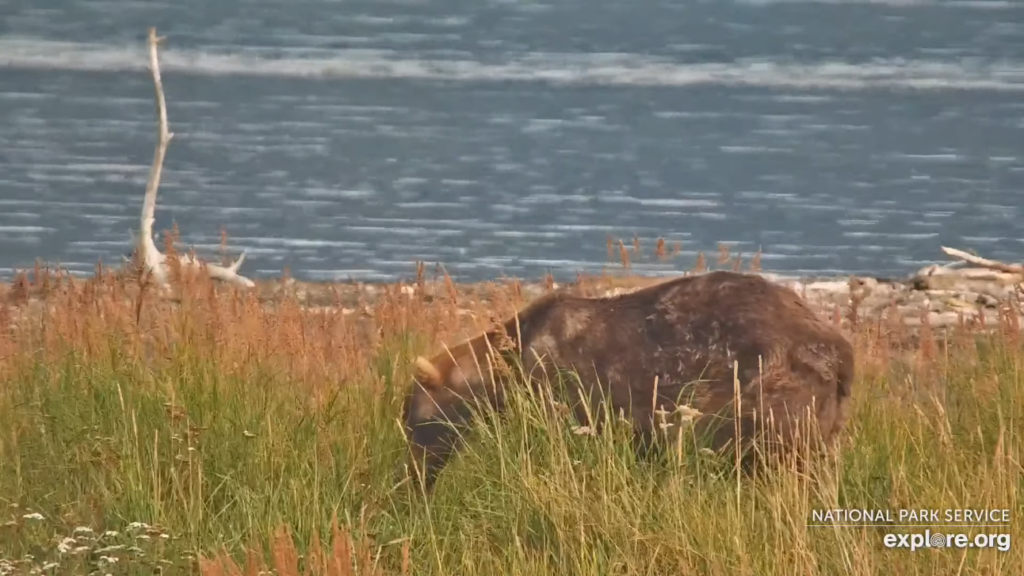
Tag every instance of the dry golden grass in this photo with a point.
(344, 558)
(221, 432)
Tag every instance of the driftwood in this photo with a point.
(151, 258)
(941, 295)
(990, 270)
(1012, 269)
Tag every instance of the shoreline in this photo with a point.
(941, 295)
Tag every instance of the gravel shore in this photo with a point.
(944, 299)
(942, 295)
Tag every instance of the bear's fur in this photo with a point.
(677, 339)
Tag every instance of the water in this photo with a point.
(351, 139)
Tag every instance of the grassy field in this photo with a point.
(212, 433)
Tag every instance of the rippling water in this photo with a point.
(350, 139)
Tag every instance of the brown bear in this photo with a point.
(664, 347)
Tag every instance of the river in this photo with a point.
(349, 139)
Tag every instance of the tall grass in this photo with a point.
(215, 433)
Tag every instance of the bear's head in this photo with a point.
(440, 402)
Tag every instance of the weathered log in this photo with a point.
(1013, 269)
(990, 277)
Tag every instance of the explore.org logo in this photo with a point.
(969, 528)
(928, 539)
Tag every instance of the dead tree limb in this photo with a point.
(152, 259)
(1015, 269)
(984, 262)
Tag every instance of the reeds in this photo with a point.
(222, 432)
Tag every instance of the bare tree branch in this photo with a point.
(152, 259)
(1015, 269)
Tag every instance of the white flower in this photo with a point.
(110, 548)
(64, 546)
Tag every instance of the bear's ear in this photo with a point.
(427, 374)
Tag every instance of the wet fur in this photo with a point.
(687, 332)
